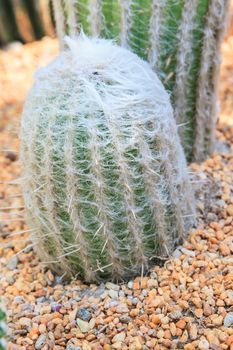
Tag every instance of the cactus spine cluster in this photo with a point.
(2, 328)
(104, 174)
(180, 39)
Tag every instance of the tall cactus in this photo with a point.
(105, 179)
(24, 20)
(2, 328)
(180, 39)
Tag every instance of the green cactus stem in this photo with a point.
(105, 180)
(181, 40)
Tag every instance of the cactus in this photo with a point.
(8, 27)
(2, 328)
(24, 20)
(180, 39)
(104, 174)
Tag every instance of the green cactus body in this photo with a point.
(83, 15)
(2, 329)
(180, 39)
(105, 181)
(111, 19)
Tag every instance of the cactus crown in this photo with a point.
(105, 179)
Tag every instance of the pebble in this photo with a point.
(176, 254)
(113, 294)
(41, 341)
(160, 334)
(84, 314)
(224, 249)
(112, 286)
(10, 279)
(217, 321)
(120, 337)
(165, 320)
(125, 319)
(73, 347)
(175, 315)
(228, 320)
(121, 308)
(73, 314)
(83, 325)
(198, 313)
(130, 284)
(156, 319)
(203, 344)
(188, 252)
(12, 156)
(19, 299)
(135, 301)
(193, 332)
(25, 322)
(56, 307)
(42, 328)
(12, 263)
(230, 210)
(45, 309)
(181, 324)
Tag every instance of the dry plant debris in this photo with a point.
(186, 304)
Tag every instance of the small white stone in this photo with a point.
(188, 252)
(121, 308)
(112, 286)
(83, 325)
(25, 322)
(118, 337)
(113, 294)
(130, 284)
(177, 253)
(228, 320)
(203, 344)
(91, 324)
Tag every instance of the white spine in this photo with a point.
(72, 204)
(95, 17)
(72, 20)
(184, 59)
(154, 30)
(60, 21)
(125, 21)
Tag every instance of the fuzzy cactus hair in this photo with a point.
(105, 180)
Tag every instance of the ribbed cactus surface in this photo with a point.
(180, 39)
(104, 175)
(2, 328)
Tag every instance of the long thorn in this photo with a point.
(8, 150)
(9, 183)
(14, 195)
(11, 208)
(11, 220)
(20, 233)
(25, 248)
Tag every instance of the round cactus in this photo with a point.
(104, 174)
(2, 328)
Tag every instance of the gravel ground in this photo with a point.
(186, 304)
